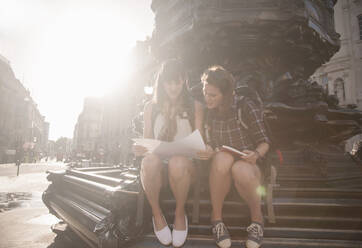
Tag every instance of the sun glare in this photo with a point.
(64, 52)
(90, 53)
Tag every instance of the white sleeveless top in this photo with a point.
(183, 126)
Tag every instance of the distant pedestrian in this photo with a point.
(18, 157)
(18, 162)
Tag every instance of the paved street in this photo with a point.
(10, 169)
(24, 219)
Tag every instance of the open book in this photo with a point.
(233, 151)
(187, 146)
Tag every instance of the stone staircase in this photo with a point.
(315, 203)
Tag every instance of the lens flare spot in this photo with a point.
(260, 190)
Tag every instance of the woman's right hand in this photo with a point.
(205, 154)
(139, 150)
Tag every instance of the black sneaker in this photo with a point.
(221, 234)
(255, 235)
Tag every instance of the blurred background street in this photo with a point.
(24, 219)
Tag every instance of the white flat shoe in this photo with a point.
(179, 236)
(163, 235)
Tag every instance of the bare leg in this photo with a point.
(219, 181)
(151, 176)
(180, 170)
(247, 180)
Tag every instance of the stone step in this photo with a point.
(344, 208)
(206, 241)
(243, 219)
(324, 193)
(286, 232)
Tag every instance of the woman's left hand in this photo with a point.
(205, 154)
(251, 156)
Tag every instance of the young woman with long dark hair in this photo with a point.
(171, 115)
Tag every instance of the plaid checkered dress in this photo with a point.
(225, 128)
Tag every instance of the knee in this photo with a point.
(179, 167)
(222, 163)
(151, 164)
(243, 174)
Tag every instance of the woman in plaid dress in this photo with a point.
(224, 128)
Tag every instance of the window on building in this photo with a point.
(325, 83)
(360, 26)
(324, 80)
(339, 90)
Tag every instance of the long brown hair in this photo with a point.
(170, 70)
(222, 79)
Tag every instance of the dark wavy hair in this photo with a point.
(222, 79)
(170, 70)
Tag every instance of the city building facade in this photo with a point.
(23, 130)
(87, 131)
(123, 104)
(342, 75)
(62, 149)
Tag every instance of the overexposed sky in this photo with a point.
(65, 50)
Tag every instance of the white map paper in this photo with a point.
(187, 146)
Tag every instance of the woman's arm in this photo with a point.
(199, 117)
(147, 121)
(199, 124)
(257, 131)
(255, 122)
